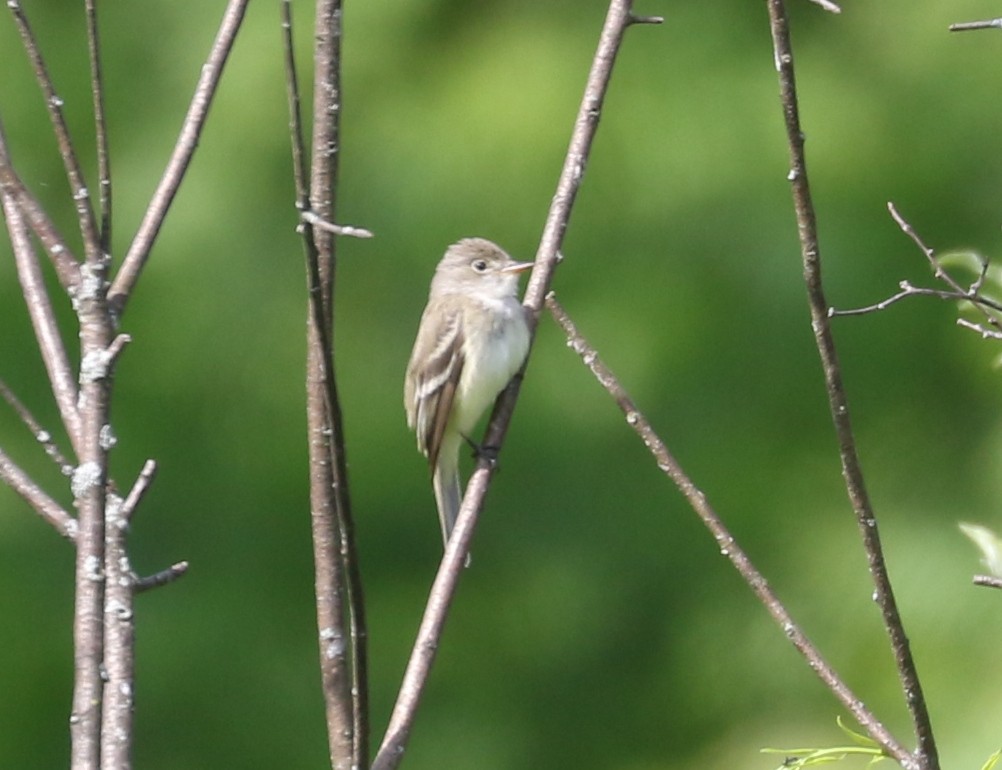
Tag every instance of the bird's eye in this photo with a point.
(480, 265)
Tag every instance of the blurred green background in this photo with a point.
(598, 627)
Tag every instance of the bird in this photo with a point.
(472, 339)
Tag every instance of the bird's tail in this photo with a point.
(448, 494)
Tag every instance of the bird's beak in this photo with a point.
(518, 267)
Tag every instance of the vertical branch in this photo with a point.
(618, 18)
(119, 639)
(337, 580)
(851, 468)
(89, 486)
(103, 625)
(100, 124)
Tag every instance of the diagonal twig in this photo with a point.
(184, 149)
(43, 319)
(42, 436)
(14, 477)
(63, 261)
(729, 547)
(965, 26)
(54, 105)
(926, 755)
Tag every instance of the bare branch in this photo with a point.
(994, 334)
(971, 294)
(161, 578)
(618, 19)
(139, 489)
(965, 26)
(184, 149)
(100, 123)
(926, 756)
(54, 105)
(33, 495)
(119, 642)
(828, 5)
(635, 19)
(907, 290)
(42, 436)
(43, 320)
(726, 542)
(991, 581)
(344, 667)
(65, 263)
(328, 227)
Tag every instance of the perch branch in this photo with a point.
(184, 149)
(926, 756)
(618, 18)
(991, 581)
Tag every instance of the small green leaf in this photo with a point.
(992, 760)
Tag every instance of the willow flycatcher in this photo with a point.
(472, 339)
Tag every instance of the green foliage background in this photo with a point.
(598, 627)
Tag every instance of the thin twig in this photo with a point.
(994, 334)
(35, 496)
(42, 436)
(54, 105)
(43, 320)
(971, 293)
(328, 227)
(965, 26)
(100, 123)
(828, 5)
(725, 541)
(989, 581)
(618, 19)
(191, 129)
(908, 290)
(139, 489)
(161, 578)
(956, 292)
(926, 756)
(63, 261)
(929, 253)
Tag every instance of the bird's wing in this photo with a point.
(433, 375)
